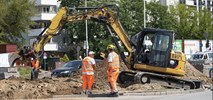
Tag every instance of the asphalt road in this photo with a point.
(205, 95)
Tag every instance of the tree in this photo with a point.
(204, 24)
(3, 8)
(65, 58)
(159, 16)
(185, 21)
(131, 15)
(16, 19)
(98, 35)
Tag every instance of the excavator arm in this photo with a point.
(56, 24)
(101, 14)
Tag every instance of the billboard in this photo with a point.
(192, 46)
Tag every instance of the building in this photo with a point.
(199, 4)
(46, 11)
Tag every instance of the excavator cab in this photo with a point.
(154, 48)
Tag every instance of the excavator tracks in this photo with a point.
(165, 80)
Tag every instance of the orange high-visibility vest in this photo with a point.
(87, 66)
(115, 61)
(33, 62)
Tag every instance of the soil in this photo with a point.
(193, 74)
(20, 88)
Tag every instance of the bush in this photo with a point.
(25, 72)
(65, 58)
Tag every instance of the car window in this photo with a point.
(197, 56)
(210, 55)
(205, 56)
(73, 64)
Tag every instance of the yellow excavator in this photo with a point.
(150, 54)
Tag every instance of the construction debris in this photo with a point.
(20, 88)
(193, 74)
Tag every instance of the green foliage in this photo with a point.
(70, 3)
(159, 16)
(204, 24)
(98, 34)
(131, 15)
(15, 19)
(65, 58)
(25, 72)
(185, 22)
(191, 24)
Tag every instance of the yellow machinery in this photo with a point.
(151, 60)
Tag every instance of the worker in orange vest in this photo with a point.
(35, 64)
(88, 66)
(113, 66)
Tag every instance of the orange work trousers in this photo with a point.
(112, 78)
(88, 81)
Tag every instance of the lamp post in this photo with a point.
(144, 12)
(87, 47)
(45, 57)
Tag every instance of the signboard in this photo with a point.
(178, 45)
(190, 47)
(51, 47)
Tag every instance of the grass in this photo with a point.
(25, 72)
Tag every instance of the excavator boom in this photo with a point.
(102, 14)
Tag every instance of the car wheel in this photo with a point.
(72, 74)
(54, 76)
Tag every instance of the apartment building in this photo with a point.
(199, 4)
(47, 9)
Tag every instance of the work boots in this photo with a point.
(86, 92)
(83, 93)
(113, 94)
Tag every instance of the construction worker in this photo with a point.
(88, 66)
(35, 64)
(113, 69)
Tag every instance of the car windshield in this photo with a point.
(197, 56)
(72, 64)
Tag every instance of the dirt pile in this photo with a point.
(21, 88)
(101, 80)
(193, 74)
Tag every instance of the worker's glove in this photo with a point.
(103, 55)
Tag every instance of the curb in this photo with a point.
(139, 93)
(166, 92)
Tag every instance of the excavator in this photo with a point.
(150, 56)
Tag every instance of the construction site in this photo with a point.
(149, 64)
(46, 87)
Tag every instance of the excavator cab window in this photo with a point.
(154, 48)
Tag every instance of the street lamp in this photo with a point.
(87, 47)
(144, 12)
(45, 62)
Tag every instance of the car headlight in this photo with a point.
(65, 72)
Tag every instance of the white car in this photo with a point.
(202, 61)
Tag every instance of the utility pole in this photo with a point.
(87, 45)
(144, 12)
(197, 6)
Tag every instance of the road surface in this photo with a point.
(204, 95)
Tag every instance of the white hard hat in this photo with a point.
(31, 58)
(91, 53)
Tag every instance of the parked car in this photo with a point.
(69, 69)
(202, 61)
